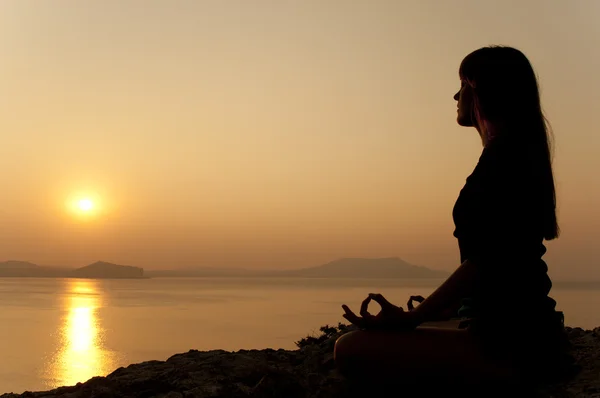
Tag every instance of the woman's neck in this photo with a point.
(487, 132)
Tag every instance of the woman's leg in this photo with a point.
(427, 354)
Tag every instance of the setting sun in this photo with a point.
(85, 204)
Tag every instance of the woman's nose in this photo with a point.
(457, 96)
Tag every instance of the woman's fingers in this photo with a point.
(382, 301)
(364, 308)
(418, 299)
(352, 317)
(354, 320)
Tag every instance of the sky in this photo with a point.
(273, 133)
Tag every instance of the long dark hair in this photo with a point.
(506, 96)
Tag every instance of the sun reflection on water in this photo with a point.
(81, 354)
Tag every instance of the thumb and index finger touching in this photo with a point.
(365, 316)
(382, 301)
(364, 308)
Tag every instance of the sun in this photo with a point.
(85, 205)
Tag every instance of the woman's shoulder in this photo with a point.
(500, 170)
(502, 157)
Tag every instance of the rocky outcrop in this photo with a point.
(306, 372)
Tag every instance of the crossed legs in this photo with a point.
(425, 355)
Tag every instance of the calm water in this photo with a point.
(57, 332)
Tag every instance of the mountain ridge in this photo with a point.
(346, 267)
(357, 267)
(97, 270)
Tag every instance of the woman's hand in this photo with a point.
(390, 317)
(418, 299)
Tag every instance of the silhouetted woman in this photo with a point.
(504, 212)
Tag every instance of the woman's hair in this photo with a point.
(506, 96)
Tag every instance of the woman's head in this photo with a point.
(502, 87)
(499, 96)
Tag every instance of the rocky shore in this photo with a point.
(308, 371)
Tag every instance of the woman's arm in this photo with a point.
(458, 286)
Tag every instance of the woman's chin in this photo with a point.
(464, 121)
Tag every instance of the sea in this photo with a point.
(56, 332)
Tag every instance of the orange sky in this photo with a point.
(273, 133)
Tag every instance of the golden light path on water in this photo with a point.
(81, 354)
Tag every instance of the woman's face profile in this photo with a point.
(464, 97)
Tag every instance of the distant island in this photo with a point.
(358, 268)
(100, 269)
(97, 270)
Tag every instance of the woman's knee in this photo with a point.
(347, 350)
(346, 344)
(362, 355)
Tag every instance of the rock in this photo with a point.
(306, 372)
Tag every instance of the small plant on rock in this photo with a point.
(327, 333)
